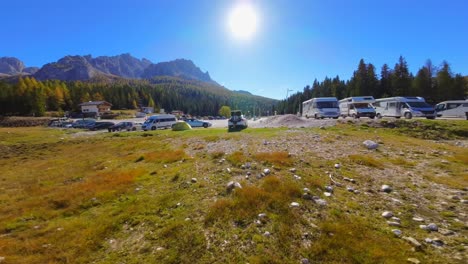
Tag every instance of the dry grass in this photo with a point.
(237, 158)
(279, 158)
(166, 156)
(366, 160)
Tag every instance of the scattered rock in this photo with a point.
(249, 173)
(397, 232)
(307, 196)
(396, 219)
(437, 242)
(424, 227)
(392, 223)
(329, 189)
(321, 202)
(305, 261)
(307, 190)
(137, 189)
(296, 177)
(413, 260)
(327, 194)
(418, 219)
(267, 234)
(432, 227)
(165, 166)
(232, 185)
(357, 192)
(295, 205)
(242, 166)
(464, 201)
(248, 165)
(228, 170)
(266, 171)
(369, 144)
(337, 166)
(194, 180)
(446, 232)
(187, 219)
(293, 170)
(413, 241)
(159, 249)
(262, 216)
(454, 197)
(350, 189)
(387, 214)
(386, 188)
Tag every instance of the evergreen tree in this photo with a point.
(401, 78)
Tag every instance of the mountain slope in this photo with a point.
(182, 68)
(13, 66)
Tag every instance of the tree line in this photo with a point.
(29, 96)
(435, 84)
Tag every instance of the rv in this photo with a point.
(159, 121)
(321, 107)
(407, 107)
(358, 106)
(457, 108)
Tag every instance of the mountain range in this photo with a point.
(81, 68)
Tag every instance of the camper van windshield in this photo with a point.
(362, 106)
(418, 104)
(327, 104)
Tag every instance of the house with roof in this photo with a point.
(96, 107)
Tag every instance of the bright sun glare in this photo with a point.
(243, 21)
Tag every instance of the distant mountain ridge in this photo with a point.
(81, 68)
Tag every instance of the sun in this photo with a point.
(243, 21)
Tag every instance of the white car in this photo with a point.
(198, 123)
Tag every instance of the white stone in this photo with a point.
(292, 170)
(327, 194)
(432, 227)
(413, 260)
(307, 190)
(321, 202)
(424, 227)
(297, 177)
(387, 214)
(295, 205)
(386, 188)
(194, 180)
(228, 170)
(266, 171)
(337, 166)
(391, 223)
(267, 234)
(262, 216)
(370, 144)
(418, 219)
(329, 189)
(397, 232)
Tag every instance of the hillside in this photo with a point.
(256, 196)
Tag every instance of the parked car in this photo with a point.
(237, 120)
(198, 123)
(83, 123)
(101, 125)
(129, 126)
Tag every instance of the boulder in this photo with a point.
(369, 144)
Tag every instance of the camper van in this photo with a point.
(159, 121)
(321, 107)
(457, 108)
(358, 106)
(407, 107)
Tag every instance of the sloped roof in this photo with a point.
(95, 103)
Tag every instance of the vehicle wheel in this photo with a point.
(205, 125)
(335, 117)
(153, 128)
(134, 129)
(308, 116)
(315, 116)
(430, 117)
(397, 117)
(379, 116)
(372, 117)
(354, 116)
(408, 115)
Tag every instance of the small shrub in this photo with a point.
(167, 156)
(141, 158)
(237, 158)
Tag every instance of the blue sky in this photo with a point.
(296, 42)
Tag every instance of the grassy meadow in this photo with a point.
(68, 196)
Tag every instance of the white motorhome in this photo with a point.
(407, 107)
(159, 121)
(357, 106)
(456, 108)
(321, 107)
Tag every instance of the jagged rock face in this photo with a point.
(122, 65)
(71, 68)
(182, 68)
(31, 70)
(11, 66)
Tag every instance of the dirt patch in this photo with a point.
(17, 121)
(290, 121)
